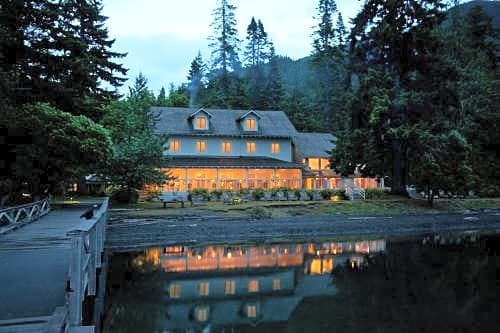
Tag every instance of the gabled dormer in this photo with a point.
(250, 121)
(200, 120)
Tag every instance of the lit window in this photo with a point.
(201, 122)
(203, 288)
(276, 284)
(175, 290)
(253, 286)
(226, 147)
(175, 146)
(250, 147)
(201, 146)
(314, 163)
(325, 163)
(229, 287)
(275, 148)
(202, 314)
(251, 124)
(251, 311)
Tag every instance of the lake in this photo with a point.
(437, 283)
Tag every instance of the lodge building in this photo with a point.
(237, 149)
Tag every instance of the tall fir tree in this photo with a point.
(224, 40)
(196, 78)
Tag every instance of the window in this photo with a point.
(202, 313)
(229, 287)
(201, 146)
(276, 284)
(203, 289)
(201, 122)
(174, 290)
(275, 148)
(226, 147)
(175, 146)
(314, 163)
(253, 286)
(250, 147)
(251, 311)
(251, 124)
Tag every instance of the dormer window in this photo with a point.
(201, 122)
(249, 121)
(251, 124)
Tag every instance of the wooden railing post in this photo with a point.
(87, 248)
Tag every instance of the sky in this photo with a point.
(162, 37)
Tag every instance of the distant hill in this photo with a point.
(492, 8)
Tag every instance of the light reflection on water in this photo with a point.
(284, 287)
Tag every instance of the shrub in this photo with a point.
(259, 213)
(310, 194)
(341, 193)
(149, 195)
(217, 193)
(244, 191)
(125, 195)
(258, 194)
(326, 193)
(376, 193)
(203, 192)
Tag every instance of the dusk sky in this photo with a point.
(162, 37)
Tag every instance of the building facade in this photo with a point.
(241, 149)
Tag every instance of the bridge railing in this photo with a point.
(24, 213)
(87, 255)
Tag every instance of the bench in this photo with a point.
(167, 197)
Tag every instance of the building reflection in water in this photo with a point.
(229, 285)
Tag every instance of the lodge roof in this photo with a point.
(176, 121)
(314, 144)
(256, 162)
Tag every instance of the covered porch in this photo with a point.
(228, 173)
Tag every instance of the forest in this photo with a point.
(410, 88)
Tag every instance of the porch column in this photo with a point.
(246, 179)
(217, 179)
(186, 179)
(275, 180)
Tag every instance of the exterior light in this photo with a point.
(199, 257)
(229, 255)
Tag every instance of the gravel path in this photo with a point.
(126, 234)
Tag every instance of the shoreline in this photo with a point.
(136, 233)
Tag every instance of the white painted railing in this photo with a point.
(24, 213)
(87, 255)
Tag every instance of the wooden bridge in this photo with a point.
(52, 267)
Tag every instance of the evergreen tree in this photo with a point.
(396, 40)
(225, 42)
(340, 33)
(161, 100)
(274, 89)
(324, 36)
(196, 77)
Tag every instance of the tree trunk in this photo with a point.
(398, 168)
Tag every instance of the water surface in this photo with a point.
(433, 284)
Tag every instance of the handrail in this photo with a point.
(30, 212)
(86, 258)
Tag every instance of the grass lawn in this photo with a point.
(391, 206)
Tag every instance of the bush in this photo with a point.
(340, 193)
(258, 193)
(203, 192)
(216, 193)
(259, 213)
(326, 193)
(244, 191)
(376, 193)
(310, 194)
(125, 195)
(149, 195)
